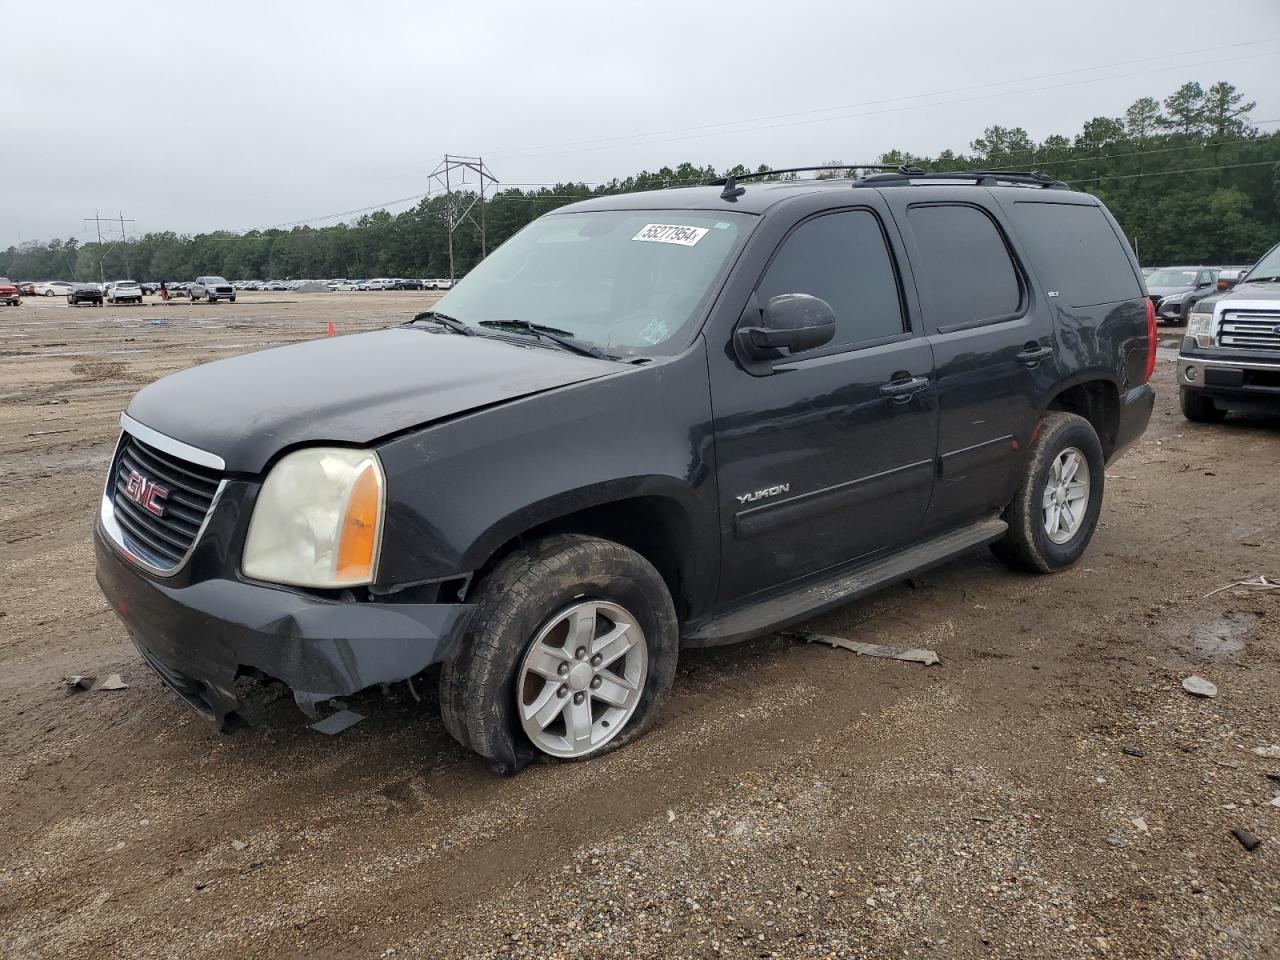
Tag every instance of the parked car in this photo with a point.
(275, 285)
(729, 407)
(9, 292)
(149, 288)
(1230, 357)
(379, 283)
(84, 293)
(345, 286)
(438, 284)
(124, 291)
(52, 288)
(27, 288)
(407, 284)
(211, 289)
(1175, 290)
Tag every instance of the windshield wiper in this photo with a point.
(452, 323)
(563, 337)
(1261, 280)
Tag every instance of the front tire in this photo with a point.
(1199, 407)
(570, 654)
(1055, 511)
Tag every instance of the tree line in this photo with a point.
(1190, 179)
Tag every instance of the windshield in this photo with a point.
(1268, 266)
(629, 282)
(209, 280)
(1172, 278)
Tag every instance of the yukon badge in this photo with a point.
(762, 494)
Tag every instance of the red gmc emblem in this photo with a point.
(145, 493)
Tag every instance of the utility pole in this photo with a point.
(457, 211)
(124, 239)
(98, 221)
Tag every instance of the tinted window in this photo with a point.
(1076, 252)
(842, 258)
(964, 266)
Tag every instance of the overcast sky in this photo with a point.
(190, 117)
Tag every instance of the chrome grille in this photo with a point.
(1244, 330)
(164, 538)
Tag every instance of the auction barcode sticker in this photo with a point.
(671, 233)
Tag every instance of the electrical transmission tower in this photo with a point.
(451, 172)
(98, 221)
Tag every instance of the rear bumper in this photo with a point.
(199, 638)
(1135, 414)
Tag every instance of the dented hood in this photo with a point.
(352, 390)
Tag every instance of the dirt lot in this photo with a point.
(1048, 791)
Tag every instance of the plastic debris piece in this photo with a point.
(1199, 687)
(1139, 824)
(337, 722)
(111, 681)
(1247, 839)
(671, 816)
(238, 845)
(910, 654)
(1134, 752)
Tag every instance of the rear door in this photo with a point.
(993, 344)
(829, 457)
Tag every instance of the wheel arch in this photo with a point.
(653, 516)
(1094, 395)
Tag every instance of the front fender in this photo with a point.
(459, 489)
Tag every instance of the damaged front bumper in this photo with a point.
(201, 636)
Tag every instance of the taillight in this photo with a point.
(1151, 341)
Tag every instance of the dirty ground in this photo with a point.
(1049, 791)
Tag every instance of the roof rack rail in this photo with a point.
(904, 175)
(724, 181)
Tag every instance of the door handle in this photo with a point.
(903, 390)
(1034, 353)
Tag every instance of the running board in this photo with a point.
(777, 612)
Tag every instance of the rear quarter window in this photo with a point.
(1076, 252)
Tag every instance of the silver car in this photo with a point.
(211, 289)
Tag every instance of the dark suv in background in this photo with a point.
(647, 421)
(1175, 290)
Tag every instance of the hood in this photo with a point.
(352, 390)
(1168, 291)
(1265, 294)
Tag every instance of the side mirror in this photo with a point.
(787, 325)
(1226, 283)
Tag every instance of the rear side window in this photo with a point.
(842, 258)
(964, 266)
(1076, 252)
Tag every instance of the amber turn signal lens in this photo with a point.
(357, 547)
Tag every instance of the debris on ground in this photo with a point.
(1139, 824)
(1253, 583)
(1272, 752)
(910, 654)
(1134, 752)
(1199, 687)
(335, 723)
(238, 845)
(111, 681)
(1247, 839)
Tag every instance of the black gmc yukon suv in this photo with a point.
(647, 421)
(1230, 357)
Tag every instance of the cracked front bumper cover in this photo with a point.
(199, 638)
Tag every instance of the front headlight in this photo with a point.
(1200, 325)
(318, 520)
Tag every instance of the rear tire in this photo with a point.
(1199, 407)
(1064, 440)
(526, 594)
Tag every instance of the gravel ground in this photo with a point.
(1048, 791)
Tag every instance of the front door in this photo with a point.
(830, 456)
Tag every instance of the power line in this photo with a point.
(1166, 173)
(619, 140)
